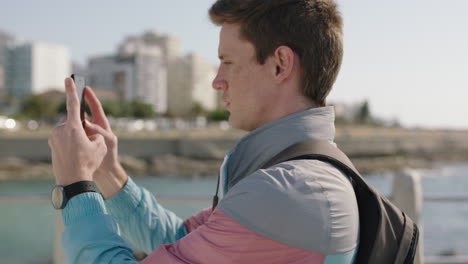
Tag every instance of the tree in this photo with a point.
(199, 110)
(141, 110)
(218, 115)
(363, 115)
(38, 107)
(135, 109)
(112, 108)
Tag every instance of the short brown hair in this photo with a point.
(311, 28)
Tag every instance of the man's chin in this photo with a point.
(238, 124)
(233, 122)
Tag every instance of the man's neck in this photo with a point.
(285, 107)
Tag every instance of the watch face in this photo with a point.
(57, 197)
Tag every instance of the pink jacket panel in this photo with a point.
(217, 238)
(197, 219)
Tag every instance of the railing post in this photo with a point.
(59, 257)
(407, 195)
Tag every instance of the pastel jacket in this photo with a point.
(294, 212)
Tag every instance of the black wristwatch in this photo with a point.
(62, 194)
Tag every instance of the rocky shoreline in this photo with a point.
(371, 150)
(176, 166)
(164, 165)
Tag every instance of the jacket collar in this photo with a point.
(256, 148)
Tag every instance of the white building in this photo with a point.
(170, 46)
(5, 42)
(137, 72)
(203, 74)
(150, 76)
(346, 111)
(190, 81)
(101, 71)
(2, 84)
(150, 68)
(36, 68)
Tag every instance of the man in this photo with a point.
(279, 60)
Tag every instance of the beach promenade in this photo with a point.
(188, 153)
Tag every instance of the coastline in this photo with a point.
(199, 153)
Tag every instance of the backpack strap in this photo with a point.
(319, 147)
(380, 221)
(319, 150)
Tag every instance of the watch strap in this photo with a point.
(76, 188)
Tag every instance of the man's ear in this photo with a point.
(284, 60)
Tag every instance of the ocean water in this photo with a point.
(27, 228)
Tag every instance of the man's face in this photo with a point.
(247, 86)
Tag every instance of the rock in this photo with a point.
(12, 163)
(450, 253)
(391, 163)
(5, 175)
(200, 149)
(18, 169)
(38, 171)
(171, 165)
(134, 166)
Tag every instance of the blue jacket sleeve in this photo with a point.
(142, 220)
(90, 234)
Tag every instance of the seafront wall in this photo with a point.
(29, 157)
(37, 149)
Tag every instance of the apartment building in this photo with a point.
(37, 67)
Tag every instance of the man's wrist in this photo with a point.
(111, 182)
(68, 179)
(61, 195)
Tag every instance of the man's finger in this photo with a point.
(73, 103)
(92, 129)
(88, 117)
(95, 106)
(99, 143)
(96, 138)
(61, 124)
(62, 120)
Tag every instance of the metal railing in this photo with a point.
(41, 198)
(406, 194)
(58, 257)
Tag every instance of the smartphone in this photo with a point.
(80, 84)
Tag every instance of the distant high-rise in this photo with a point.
(170, 46)
(136, 72)
(5, 42)
(190, 85)
(150, 68)
(150, 76)
(101, 71)
(37, 67)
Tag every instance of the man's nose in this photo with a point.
(219, 84)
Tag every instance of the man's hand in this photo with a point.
(75, 156)
(110, 176)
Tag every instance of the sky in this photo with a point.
(408, 59)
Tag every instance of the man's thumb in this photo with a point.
(92, 128)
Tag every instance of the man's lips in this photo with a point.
(226, 102)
